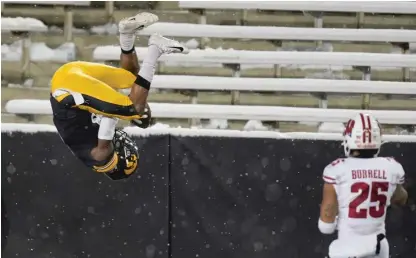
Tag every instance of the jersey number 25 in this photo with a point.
(376, 192)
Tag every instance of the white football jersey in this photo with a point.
(364, 189)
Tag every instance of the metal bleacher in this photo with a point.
(367, 44)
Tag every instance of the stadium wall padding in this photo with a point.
(204, 197)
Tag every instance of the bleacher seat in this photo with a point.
(400, 7)
(211, 83)
(168, 110)
(279, 33)
(112, 53)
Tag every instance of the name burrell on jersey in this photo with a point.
(368, 173)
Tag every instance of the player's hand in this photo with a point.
(145, 118)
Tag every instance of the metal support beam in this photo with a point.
(202, 19)
(366, 98)
(323, 100)
(29, 117)
(243, 18)
(68, 23)
(277, 68)
(318, 22)
(109, 9)
(405, 47)
(25, 58)
(235, 95)
(194, 100)
(360, 19)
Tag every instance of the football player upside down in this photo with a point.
(86, 103)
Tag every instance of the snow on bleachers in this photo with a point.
(28, 25)
(20, 24)
(24, 26)
(266, 113)
(39, 52)
(210, 56)
(67, 3)
(279, 33)
(401, 7)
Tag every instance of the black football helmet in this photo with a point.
(128, 156)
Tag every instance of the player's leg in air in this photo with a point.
(84, 94)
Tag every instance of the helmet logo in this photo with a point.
(131, 164)
(366, 136)
(349, 127)
(366, 128)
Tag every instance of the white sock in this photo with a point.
(107, 128)
(148, 67)
(127, 41)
